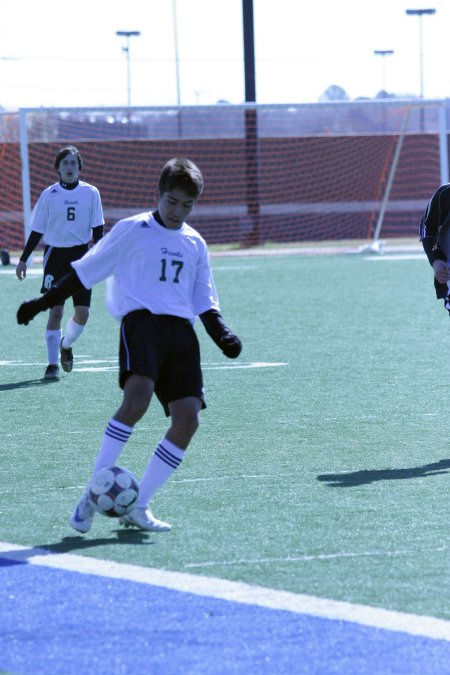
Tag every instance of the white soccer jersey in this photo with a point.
(151, 267)
(66, 217)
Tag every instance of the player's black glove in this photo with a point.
(216, 328)
(230, 345)
(28, 310)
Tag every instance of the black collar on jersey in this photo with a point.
(158, 218)
(69, 186)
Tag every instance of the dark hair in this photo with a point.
(183, 174)
(67, 150)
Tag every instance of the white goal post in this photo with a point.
(377, 244)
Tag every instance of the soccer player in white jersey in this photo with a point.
(159, 281)
(68, 214)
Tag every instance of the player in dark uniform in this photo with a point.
(435, 238)
(159, 280)
(68, 214)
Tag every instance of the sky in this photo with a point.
(56, 54)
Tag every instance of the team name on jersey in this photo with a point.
(175, 254)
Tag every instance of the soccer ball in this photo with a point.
(113, 491)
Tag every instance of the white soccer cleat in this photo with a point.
(143, 519)
(82, 517)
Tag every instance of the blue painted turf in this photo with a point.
(53, 621)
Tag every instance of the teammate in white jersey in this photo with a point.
(67, 215)
(159, 281)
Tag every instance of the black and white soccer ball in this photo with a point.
(113, 491)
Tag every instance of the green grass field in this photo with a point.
(322, 462)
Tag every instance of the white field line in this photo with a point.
(234, 366)
(233, 268)
(16, 362)
(239, 366)
(375, 617)
(30, 271)
(86, 365)
(35, 271)
(306, 558)
(398, 256)
(95, 369)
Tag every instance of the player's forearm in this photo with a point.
(97, 233)
(63, 289)
(431, 251)
(214, 324)
(32, 242)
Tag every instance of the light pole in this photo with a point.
(175, 42)
(420, 13)
(383, 53)
(127, 34)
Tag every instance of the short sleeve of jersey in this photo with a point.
(97, 210)
(101, 260)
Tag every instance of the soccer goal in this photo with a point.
(358, 171)
(377, 244)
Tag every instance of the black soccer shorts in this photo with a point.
(57, 264)
(165, 349)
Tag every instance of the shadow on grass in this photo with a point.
(73, 543)
(79, 543)
(25, 384)
(366, 477)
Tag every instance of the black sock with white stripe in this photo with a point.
(114, 439)
(166, 458)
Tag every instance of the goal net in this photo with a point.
(280, 173)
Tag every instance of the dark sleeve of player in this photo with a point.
(436, 216)
(97, 233)
(63, 289)
(218, 331)
(32, 241)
